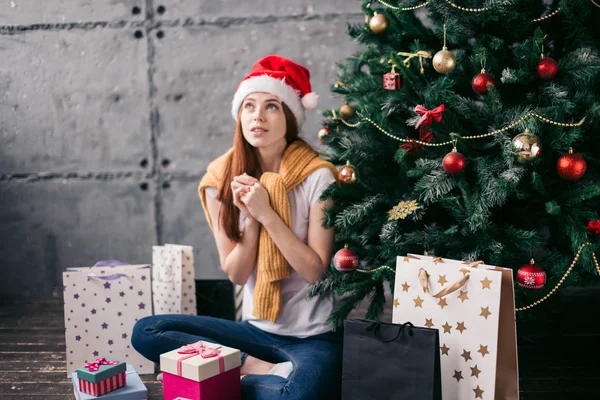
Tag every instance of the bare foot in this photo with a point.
(253, 365)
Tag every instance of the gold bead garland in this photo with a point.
(452, 142)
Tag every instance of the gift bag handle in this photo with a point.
(424, 282)
(377, 324)
(168, 273)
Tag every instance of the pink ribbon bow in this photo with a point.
(429, 115)
(95, 365)
(195, 349)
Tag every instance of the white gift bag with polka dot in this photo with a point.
(472, 305)
(101, 306)
(173, 280)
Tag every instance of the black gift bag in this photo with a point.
(384, 361)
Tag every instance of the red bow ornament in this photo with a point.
(594, 227)
(429, 115)
(95, 365)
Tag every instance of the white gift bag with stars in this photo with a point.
(101, 306)
(472, 306)
(173, 279)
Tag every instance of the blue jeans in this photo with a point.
(316, 360)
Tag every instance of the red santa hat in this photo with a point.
(283, 78)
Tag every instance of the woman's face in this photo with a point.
(263, 120)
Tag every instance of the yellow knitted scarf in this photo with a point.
(298, 161)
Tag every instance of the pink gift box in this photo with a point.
(201, 371)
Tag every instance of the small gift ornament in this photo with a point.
(201, 371)
(101, 376)
(393, 80)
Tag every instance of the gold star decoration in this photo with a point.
(485, 283)
(443, 303)
(442, 280)
(478, 392)
(405, 287)
(402, 210)
(396, 303)
(418, 302)
(465, 271)
(461, 327)
(458, 375)
(429, 322)
(437, 260)
(445, 349)
(475, 371)
(485, 312)
(483, 350)
(447, 327)
(466, 355)
(463, 296)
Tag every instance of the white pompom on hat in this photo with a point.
(283, 78)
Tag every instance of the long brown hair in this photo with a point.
(245, 159)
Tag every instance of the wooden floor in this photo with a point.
(32, 357)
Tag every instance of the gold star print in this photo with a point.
(465, 271)
(458, 375)
(429, 322)
(483, 350)
(405, 287)
(445, 349)
(461, 327)
(475, 371)
(447, 328)
(406, 259)
(443, 303)
(485, 283)
(442, 280)
(437, 260)
(466, 355)
(485, 312)
(396, 303)
(418, 302)
(478, 392)
(463, 296)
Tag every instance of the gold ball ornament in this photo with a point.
(348, 173)
(444, 61)
(322, 133)
(347, 111)
(378, 24)
(528, 145)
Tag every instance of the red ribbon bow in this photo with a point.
(594, 227)
(429, 115)
(95, 365)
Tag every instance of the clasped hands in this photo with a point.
(251, 197)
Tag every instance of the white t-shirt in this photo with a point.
(300, 316)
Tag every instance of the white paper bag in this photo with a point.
(173, 280)
(472, 306)
(101, 306)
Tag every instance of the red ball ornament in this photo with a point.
(345, 260)
(454, 162)
(547, 68)
(531, 276)
(481, 81)
(571, 166)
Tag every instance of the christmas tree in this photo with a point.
(468, 130)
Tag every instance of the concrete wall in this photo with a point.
(110, 112)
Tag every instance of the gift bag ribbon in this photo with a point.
(198, 348)
(95, 365)
(427, 116)
(424, 283)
